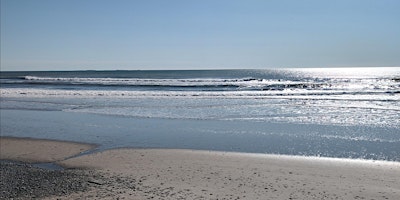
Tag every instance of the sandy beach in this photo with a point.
(188, 174)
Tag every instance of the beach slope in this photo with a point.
(189, 174)
(186, 174)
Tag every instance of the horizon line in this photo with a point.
(194, 69)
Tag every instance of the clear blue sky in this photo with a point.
(185, 34)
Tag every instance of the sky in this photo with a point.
(202, 34)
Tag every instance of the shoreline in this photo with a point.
(93, 148)
(231, 136)
(197, 174)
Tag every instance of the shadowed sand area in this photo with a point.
(187, 174)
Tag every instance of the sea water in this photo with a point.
(335, 112)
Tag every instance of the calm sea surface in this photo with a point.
(351, 113)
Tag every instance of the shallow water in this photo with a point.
(350, 113)
(240, 136)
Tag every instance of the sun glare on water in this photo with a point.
(353, 72)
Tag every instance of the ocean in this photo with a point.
(330, 112)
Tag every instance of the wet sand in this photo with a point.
(187, 174)
(36, 150)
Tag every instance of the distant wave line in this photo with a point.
(386, 85)
(290, 94)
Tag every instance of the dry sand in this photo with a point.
(187, 174)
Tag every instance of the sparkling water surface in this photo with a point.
(352, 113)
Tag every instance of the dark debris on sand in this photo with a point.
(23, 181)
